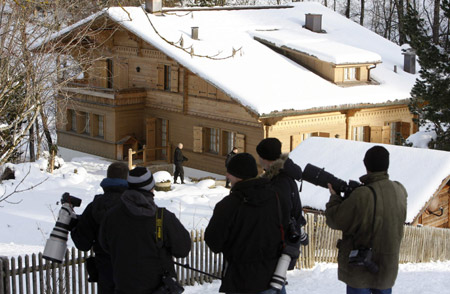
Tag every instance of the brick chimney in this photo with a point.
(313, 22)
(153, 6)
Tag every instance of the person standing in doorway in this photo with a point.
(178, 159)
(229, 156)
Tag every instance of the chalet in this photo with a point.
(222, 77)
(424, 173)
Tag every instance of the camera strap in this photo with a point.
(374, 212)
(280, 222)
(159, 227)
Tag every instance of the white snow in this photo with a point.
(27, 219)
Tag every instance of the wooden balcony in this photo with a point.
(104, 96)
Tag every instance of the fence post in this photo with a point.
(5, 287)
(130, 158)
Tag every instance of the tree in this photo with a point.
(431, 93)
(29, 73)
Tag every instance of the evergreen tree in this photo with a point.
(431, 93)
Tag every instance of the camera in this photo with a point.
(56, 244)
(319, 177)
(363, 257)
(169, 286)
(296, 236)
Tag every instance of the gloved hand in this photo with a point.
(304, 238)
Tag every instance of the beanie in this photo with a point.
(140, 178)
(243, 166)
(269, 149)
(376, 159)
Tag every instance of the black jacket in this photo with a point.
(245, 226)
(178, 157)
(283, 174)
(128, 235)
(85, 233)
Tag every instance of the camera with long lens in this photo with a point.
(296, 236)
(169, 286)
(56, 244)
(319, 177)
(363, 257)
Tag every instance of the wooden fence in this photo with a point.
(33, 275)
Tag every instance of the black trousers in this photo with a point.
(179, 171)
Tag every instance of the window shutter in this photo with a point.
(240, 142)
(405, 130)
(160, 83)
(366, 134)
(386, 135)
(174, 75)
(198, 139)
(375, 134)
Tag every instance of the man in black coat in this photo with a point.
(245, 227)
(128, 234)
(227, 160)
(283, 174)
(178, 159)
(85, 233)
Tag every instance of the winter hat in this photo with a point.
(269, 149)
(140, 178)
(243, 166)
(376, 159)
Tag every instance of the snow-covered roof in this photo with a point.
(258, 77)
(421, 171)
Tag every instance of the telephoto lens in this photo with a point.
(56, 245)
(279, 276)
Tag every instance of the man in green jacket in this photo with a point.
(371, 220)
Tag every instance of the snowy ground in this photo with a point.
(27, 218)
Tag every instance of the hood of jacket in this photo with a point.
(283, 165)
(111, 183)
(139, 203)
(255, 191)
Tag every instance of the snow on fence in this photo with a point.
(32, 275)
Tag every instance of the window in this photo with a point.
(228, 141)
(109, 73)
(361, 133)
(213, 141)
(164, 137)
(349, 74)
(87, 127)
(73, 120)
(167, 77)
(100, 126)
(216, 141)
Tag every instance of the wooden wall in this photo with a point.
(432, 216)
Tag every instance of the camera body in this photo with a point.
(56, 245)
(169, 286)
(363, 257)
(319, 177)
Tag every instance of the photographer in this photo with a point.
(371, 220)
(283, 174)
(128, 233)
(245, 226)
(85, 233)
